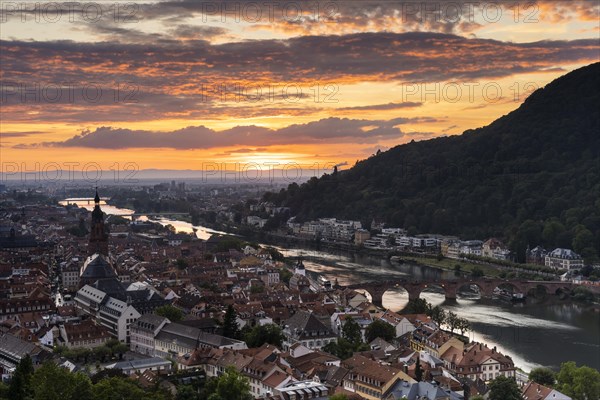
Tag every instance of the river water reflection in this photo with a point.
(544, 332)
(540, 332)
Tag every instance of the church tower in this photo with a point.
(98, 237)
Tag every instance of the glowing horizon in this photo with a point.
(184, 84)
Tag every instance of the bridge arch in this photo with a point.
(562, 289)
(461, 286)
(361, 291)
(376, 290)
(486, 287)
(514, 287)
(395, 297)
(434, 287)
(539, 291)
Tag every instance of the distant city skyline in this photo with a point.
(180, 85)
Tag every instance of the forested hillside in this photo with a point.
(531, 177)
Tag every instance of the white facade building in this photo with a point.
(564, 259)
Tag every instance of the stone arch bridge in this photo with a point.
(451, 287)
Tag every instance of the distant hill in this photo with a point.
(531, 177)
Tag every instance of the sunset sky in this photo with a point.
(186, 83)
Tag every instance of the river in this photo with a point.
(541, 332)
(180, 226)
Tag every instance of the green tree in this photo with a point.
(261, 334)
(503, 388)
(343, 348)
(169, 311)
(181, 263)
(229, 386)
(20, 384)
(528, 232)
(581, 383)
(255, 289)
(438, 315)
(477, 272)
(417, 306)
(82, 354)
(51, 382)
(121, 389)
(102, 352)
(463, 325)
(382, 329)
(276, 255)
(186, 392)
(339, 396)
(457, 269)
(115, 347)
(584, 244)
(3, 390)
(107, 373)
(285, 275)
(553, 228)
(351, 331)
(543, 376)
(452, 321)
(583, 294)
(120, 349)
(230, 326)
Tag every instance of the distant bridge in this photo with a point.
(486, 287)
(159, 214)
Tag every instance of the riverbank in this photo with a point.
(466, 266)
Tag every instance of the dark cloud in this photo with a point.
(307, 17)
(194, 32)
(4, 135)
(411, 57)
(329, 130)
(195, 79)
(477, 107)
(184, 20)
(243, 151)
(381, 107)
(446, 130)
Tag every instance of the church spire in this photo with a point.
(98, 236)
